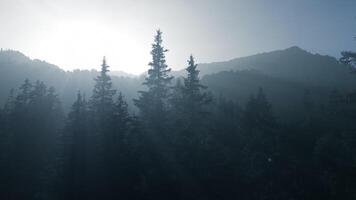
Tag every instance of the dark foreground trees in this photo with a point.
(32, 121)
(184, 143)
(96, 148)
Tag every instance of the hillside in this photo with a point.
(15, 67)
(283, 74)
(293, 64)
(239, 85)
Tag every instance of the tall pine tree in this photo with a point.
(154, 109)
(34, 122)
(76, 152)
(101, 101)
(153, 103)
(189, 101)
(101, 107)
(194, 95)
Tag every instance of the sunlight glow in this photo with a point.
(87, 42)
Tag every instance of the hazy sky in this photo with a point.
(78, 33)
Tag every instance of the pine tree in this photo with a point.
(121, 117)
(101, 107)
(120, 157)
(194, 95)
(38, 93)
(102, 99)
(153, 103)
(34, 128)
(177, 103)
(191, 130)
(120, 129)
(189, 100)
(260, 139)
(25, 94)
(153, 106)
(76, 153)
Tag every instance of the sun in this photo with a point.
(81, 44)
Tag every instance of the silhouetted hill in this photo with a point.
(284, 74)
(285, 96)
(293, 64)
(121, 73)
(15, 67)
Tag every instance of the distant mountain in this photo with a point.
(284, 74)
(122, 73)
(15, 67)
(285, 96)
(293, 64)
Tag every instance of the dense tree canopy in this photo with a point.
(184, 143)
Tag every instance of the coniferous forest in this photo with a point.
(181, 142)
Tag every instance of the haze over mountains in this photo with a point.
(282, 74)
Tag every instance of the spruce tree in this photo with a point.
(101, 107)
(189, 100)
(260, 138)
(34, 130)
(101, 101)
(120, 128)
(121, 117)
(153, 103)
(76, 150)
(194, 95)
(177, 103)
(25, 94)
(120, 158)
(189, 116)
(153, 111)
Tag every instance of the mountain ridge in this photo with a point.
(292, 63)
(294, 67)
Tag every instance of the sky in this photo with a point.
(76, 34)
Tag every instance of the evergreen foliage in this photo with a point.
(185, 142)
(153, 103)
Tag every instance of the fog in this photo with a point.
(178, 100)
(76, 34)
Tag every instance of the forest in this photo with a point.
(180, 140)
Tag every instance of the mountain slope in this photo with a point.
(285, 96)
(16, 67)
(293, 64)
(284, 74)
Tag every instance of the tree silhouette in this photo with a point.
(76, 150)
(34, 122)
(153, 103)
(193, 94)
(101, 101)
